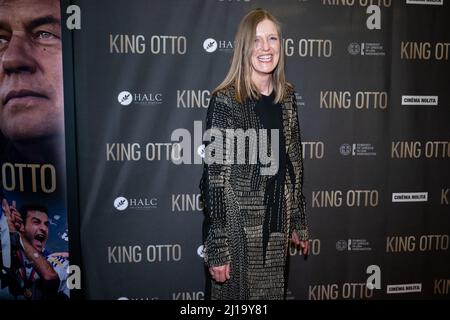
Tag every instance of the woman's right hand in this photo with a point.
(221, 273)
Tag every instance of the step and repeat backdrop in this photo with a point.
(372, 83)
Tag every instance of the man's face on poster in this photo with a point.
(31, 84)
(36, 229)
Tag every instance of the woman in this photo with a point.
(251, 216)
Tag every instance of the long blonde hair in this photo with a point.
(239, 73)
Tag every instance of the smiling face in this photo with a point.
(31, 95)
(266, 49)
(36, 229)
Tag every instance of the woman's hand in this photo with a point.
(221, 273)
(302, 243)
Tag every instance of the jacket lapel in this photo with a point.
(287, 113)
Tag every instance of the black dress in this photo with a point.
(271, 118)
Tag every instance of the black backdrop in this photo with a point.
(372, 88)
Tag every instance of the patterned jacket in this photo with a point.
(232, 193)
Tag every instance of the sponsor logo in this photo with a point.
(341, 245)
(366, 49)
(426, 2)
(419, 100)
(138, 298)
(201, 251)
(354, 48)
(300, 99)
(345, 149)
(210, 45)
(122, 203)
(125, 98)
(357, 149)
(410, 197)
(353, 245)
(403, 288)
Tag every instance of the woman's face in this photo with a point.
(266, 48)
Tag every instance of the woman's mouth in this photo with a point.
(265, 58)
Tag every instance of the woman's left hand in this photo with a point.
(302, 243)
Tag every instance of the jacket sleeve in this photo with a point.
(298, 222)
(214, 185)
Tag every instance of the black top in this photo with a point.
(270, 116)
(268, 112)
